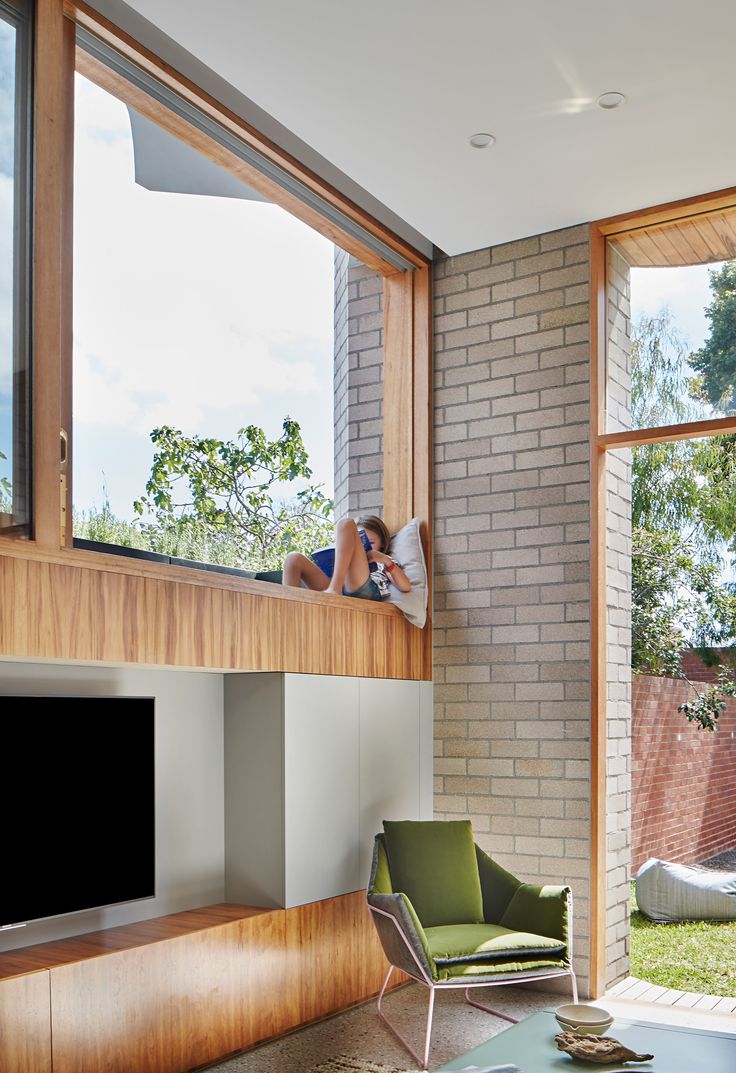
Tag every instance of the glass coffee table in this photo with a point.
(531, 1046)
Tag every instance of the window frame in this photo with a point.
(602, 441)
(407, 373)
(69, 604)
(18, 13)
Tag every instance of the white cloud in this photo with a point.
(186, 307)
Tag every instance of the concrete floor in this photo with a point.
(359, 1033)
(457, 1028)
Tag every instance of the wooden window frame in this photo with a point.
(19, 15)
(602, 441)
(407, 356)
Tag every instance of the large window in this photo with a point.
(664, 547)
(156, 312)
(14, 234)
(203, 352)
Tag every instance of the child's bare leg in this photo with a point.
(351, 565)
(298, 568)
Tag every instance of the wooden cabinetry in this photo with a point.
(25, 1021)
(167, 995)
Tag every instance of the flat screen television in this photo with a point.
(77, 804)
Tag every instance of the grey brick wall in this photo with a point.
(358, 388)
(512, 659)
(512, 556)
(618, 623)
(618, 344)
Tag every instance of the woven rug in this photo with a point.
(346, 1063)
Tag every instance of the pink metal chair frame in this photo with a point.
(433, 986)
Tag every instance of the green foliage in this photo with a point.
(212, 501)
(6, 490)
(661, 381)
(217, 497)
(683, 522)
(106, 527)
(693, 956)
(715, 362)
(706, 709)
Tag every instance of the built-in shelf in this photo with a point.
(180, 991)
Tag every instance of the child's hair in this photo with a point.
(377, 525)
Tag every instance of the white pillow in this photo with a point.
(406, 549)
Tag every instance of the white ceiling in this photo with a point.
(390, 91)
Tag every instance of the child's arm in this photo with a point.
(392, 570)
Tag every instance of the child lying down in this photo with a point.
(364, 575)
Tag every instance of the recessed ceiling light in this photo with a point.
(611, 100)
(481, 141)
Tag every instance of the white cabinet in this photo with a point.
(321, 773)
(389, 758)
(313, 764)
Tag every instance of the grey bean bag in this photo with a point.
(670, 892)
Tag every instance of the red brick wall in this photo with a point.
(684, 779)
(694, 668)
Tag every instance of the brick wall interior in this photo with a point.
(512, 555)
(618, 622)
(684, 779)
(358, 388)
(512, 654)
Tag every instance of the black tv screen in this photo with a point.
(77, 801)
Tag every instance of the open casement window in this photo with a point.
(75, 604)
(167, 108)
(14, 264)
(185, 203)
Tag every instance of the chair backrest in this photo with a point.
(433, 862)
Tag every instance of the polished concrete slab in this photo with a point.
(457, 1028)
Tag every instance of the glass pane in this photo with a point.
(671, 348)
(200, 310)
(13, 266)
(672, 515)
(7, 200)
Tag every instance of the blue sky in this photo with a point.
(684, 290)
(206, 313)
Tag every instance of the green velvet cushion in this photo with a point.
(487, 942)
(380, 881)
(434, 864)
(542, 909)
(495, 970)
(498, 887)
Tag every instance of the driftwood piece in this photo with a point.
(602, 1049)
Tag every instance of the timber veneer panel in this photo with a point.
(340, 958)
(25, 1024)
(173, 993)
(172, 1005)
(94, 607)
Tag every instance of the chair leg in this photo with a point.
(488, 1009)
(421, 1062)
(430, 1015)
(574, 987)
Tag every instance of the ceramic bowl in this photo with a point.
(582, 1018)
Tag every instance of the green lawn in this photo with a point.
(698, 956)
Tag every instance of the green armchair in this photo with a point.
(450, 917)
